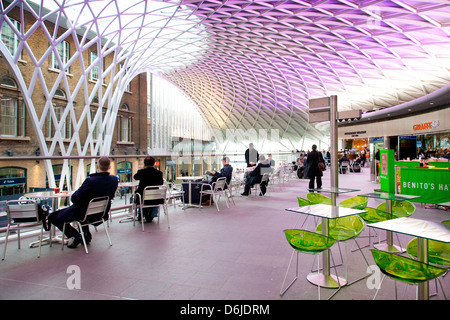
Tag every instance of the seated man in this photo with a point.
(255, 176)
(342, 159)
(226, 171)
(98, 184)
(149, 176)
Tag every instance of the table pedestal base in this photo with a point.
(46, 241)
(326, 281)
(127, 219)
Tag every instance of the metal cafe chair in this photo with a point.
(173, 193)
(22, 214)
(264, 179)
(93, 216)
(216, 189)
(152, 193)
(344, 167)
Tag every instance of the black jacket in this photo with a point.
(255, 176)
(97, 185)
(313, 164)
(251, 156)
(149, 176)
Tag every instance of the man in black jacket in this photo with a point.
(312, 160)
(98, 184)
(251, 155)
(149, 176)
(255, 176)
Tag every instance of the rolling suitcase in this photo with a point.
(195, 192)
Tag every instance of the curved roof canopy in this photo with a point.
(255, 64)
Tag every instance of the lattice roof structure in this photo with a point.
(246, 64)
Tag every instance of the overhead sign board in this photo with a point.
(319, 109)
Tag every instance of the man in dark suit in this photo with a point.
(226, 171)
(149, 176)
(251, 155)
(98, 184)
(255, 176)
(312, 160)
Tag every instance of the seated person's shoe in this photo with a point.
(74, 241)
(148, 218)
(244, 194)
(88, 237)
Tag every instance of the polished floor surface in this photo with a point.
(239, 253)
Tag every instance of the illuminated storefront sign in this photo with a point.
(426, 125)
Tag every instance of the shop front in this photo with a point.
(13, 180)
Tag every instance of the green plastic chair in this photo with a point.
(303, 241)
(400, 209)
(375, 215)
(303, 202)
(316, 198)
(438, 252)
(357, 202)
(446, 222)
(345, 229)
(405, 269)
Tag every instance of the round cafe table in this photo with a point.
(55, 197)
(189, 180)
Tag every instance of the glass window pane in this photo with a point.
(8, 117)
(9, 38)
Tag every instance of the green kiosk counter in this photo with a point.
(431, 182)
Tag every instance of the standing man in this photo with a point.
(251, 156)
(271, 161)
(98, 184)
(363, 157)
(312, 160)
(149, 176)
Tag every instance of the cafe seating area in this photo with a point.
(239, 253)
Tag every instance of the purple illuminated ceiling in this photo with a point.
(267, 58)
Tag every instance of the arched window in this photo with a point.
(9, 82)
(59, 105)
(60, 93)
